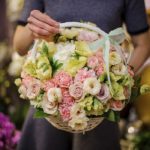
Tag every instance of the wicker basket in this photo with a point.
(59, 124)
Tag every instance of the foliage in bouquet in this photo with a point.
(9, 136)
(70, 78)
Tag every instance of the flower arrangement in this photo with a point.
(9, 136)
(79, 76)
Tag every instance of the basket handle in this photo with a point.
(71, 24)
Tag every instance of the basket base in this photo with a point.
(59, 124)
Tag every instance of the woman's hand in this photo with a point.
(42, 26)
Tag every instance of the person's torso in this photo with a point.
(107, 14)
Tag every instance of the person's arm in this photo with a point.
(142, 50)
(23, 38)
(137, 25)
(39, 26)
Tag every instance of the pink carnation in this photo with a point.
(84, 74)
(99, 70)
(65, 112)
(66, 105)
(100, 67)
(49, 84)
(92, 62)
(63, 79)
(67, 98)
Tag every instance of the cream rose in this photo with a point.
(54, 95)
(49, 107)
(77, 111)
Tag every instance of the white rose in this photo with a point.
(54, 94)
(91, 86)
(114, 58)
(119, 69)
(49, 107)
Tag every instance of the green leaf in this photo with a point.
(44, 49)
(40, 114)
(55, 65)
(136, 89)
(112, 116)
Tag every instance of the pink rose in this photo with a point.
(76, 90)
(87, 36)
(64, 110)
(67, 98)
(32, 87)
(27, 80)
(49, 84)
(63, 79)
(117, 105)
(92, 62)
(84, 74)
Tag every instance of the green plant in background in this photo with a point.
(9, 99)
(142, 141)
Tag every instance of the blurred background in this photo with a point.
(135, 119)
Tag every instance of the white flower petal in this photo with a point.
(91, 86)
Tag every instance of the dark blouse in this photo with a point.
(107, 14)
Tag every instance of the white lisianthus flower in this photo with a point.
(64, 52)
(77, 111)
(49, 107)
(119, 69)
(54, 95)
(78, 123)
(91, 86)
(79, 119)
(114, 58)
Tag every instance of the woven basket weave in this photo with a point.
(59, 124)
